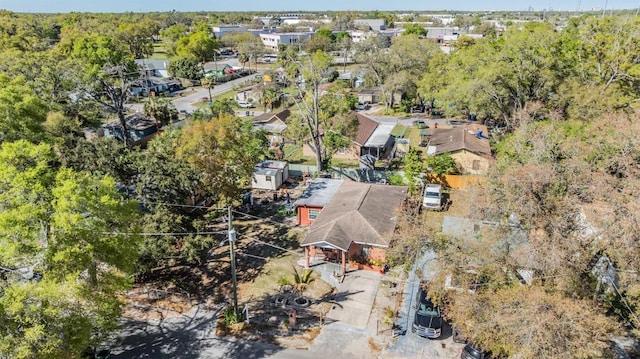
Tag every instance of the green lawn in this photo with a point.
(399, 130)
(413, 134)
(159, 53)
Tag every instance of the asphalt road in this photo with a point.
(190, 336)
(184, 100)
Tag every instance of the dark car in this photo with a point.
(428, 320)
(472, 352)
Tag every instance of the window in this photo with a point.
(268, 178)
(476, 165)
(365, 251)
(313, 213)
(342, 151)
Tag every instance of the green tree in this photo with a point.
(198, 44)
(186, 67)
(414, 29)
(413, 170)
(161, 110)
(442, 164)
(318, 113)
(271, 97)
(78, 233)
(21, 112)
(322, 40)
(137, 37)
(482, 78)
(226, 150)
(170, 37)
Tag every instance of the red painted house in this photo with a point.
(314, 198)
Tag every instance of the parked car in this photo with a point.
(420, 124)
(362, 106)
(428, 320)
(473, 352)
(245, 104)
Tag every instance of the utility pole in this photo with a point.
(232, 239)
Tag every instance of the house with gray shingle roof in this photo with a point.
(467, 144)
(356, 223)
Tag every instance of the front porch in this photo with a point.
(359, 256)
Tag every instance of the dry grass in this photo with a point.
(374, 347)
(460, 207)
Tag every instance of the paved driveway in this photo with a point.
(410, 345)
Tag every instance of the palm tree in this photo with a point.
(161, 110)
(271, 97)
(243, 58)
(208, 83)
(302, 280)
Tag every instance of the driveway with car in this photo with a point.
(409, 344)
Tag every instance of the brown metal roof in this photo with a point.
(358, 212)
(460, 138)
(366, 127)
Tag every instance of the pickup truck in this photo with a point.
(432, 198)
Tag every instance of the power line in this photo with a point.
(625, 303)
(186, 205)
(163, 233)
(268, 244)
(263, 219)
(252, 256)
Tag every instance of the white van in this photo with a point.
(245, 104)
(432, 198)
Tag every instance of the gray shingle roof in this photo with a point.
(460, 138)
(358, 212)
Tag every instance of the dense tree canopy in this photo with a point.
(77, 233)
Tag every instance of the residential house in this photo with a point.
(372, 138)
(140, 128)
(314, 198)
(375, 95)
(274, 123)
(154, 85)
(270, 175)
(153, 68)
(357, 223)
(467, 144)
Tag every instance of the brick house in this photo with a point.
(356, 223)
(314, 198)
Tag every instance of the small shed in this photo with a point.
(270, 175)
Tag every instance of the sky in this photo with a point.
(304, 5)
